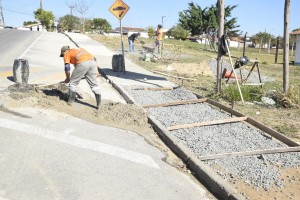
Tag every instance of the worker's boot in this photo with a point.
(72, 97)
(98, 100)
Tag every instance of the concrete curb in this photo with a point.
(71, 39)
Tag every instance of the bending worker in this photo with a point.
(131, 39)
(85, 66)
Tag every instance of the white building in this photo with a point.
(297, 51)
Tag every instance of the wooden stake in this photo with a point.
(251, 153)
(209, 123)
(175, 103)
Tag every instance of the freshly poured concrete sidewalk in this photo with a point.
(135, 75)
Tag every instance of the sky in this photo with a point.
(253, 16)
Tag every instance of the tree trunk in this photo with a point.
(276, 53)
(286, 46)
(260, 45)
(220, 33)
(269, 46)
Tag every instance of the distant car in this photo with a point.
(8, 27)
(119, 8)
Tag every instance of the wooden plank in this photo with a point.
(178, 77)
(162, 88)
(175, 103)
(209, 123)
(253, 84)
(251, 153)
(254, 123)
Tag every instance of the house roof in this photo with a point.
(31, 25)
(237, 39)
(295, 32)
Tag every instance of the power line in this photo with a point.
(17, 12)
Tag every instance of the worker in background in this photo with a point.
(85, 66)
(159, 37)
(131, 39)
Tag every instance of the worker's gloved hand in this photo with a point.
(67, 80)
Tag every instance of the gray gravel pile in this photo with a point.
(253, 78)
(206, 140)
(145, 97)
(262, 171)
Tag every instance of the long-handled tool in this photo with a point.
(237, 82)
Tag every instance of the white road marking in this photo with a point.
(79, 142)
(1, 198)
(23, 54)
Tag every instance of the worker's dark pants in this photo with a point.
(158, 44)
(89, 70)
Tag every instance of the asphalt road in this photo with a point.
(13, 43)
(45, 154)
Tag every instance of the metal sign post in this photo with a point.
(122, 44)
(119, 9)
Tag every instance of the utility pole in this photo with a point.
(220, 34)
(286, 35)
(71, 6)
(1, 13)
(41, 4)
(162, 21)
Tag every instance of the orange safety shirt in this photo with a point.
(76, 56)
(159, 35)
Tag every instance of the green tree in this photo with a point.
(46, 18)
(192, 19)
(178, 32)
(199, 21)
(261, 38)
(230, 23)
(29, 23)
(101, 25)
(88, 25)
(151, 31)
(68, 23)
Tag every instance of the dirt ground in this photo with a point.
(186, 68)
(123, 116)
(291, 180)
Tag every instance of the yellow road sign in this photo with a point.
(119, 9)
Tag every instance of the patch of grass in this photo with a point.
(250, 93)
(294, 94)
(287, 129)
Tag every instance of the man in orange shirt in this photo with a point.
(159, 37)
(85, 66)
